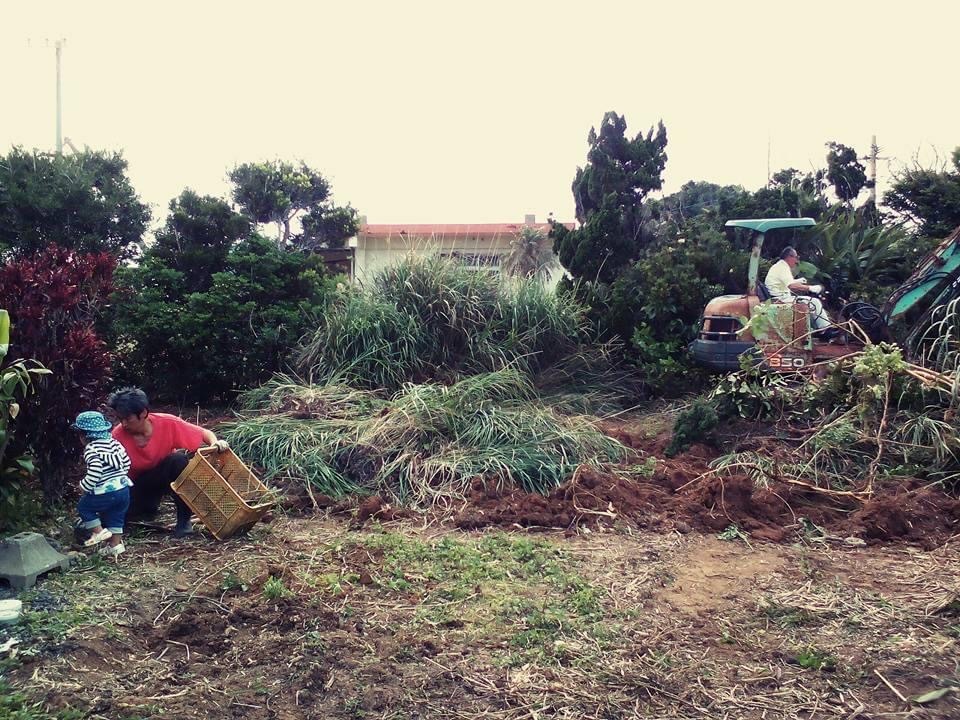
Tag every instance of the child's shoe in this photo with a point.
(113, 551)
(98, 537)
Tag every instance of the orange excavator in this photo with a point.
(734, 324)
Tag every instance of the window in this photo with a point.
(476, 261)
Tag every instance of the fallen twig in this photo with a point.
(889, 685)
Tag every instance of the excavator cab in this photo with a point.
(722, 338)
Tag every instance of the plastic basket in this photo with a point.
(223, 492)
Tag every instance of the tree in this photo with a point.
(530, 255)
(928, 198)
(276, 192)
(325, 226)
(845, 172)
(696, 198)
(609, 193)
(82, 202)
(196, 238)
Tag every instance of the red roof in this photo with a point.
(449, 229)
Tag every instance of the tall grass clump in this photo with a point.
(589, 380)
(449, 301)
(429, 441)
(939, 344)
(367, 341)
(533, 328)
(434, 318)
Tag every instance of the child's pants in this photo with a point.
(108, 509)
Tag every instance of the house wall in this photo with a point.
(377, 252)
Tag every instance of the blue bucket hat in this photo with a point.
(93, 424)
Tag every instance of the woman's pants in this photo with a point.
(150, 487)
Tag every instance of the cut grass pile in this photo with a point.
(435, 375)
(426, 442)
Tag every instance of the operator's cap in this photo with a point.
(93, 424)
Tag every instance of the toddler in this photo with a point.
(106, 486)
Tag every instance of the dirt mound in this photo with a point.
(670, 501)
(918, 514)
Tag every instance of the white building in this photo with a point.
(480, 245)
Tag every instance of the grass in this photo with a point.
(432, 317)
(787, 616)
(427, 441)
(55, 626)
(813, 659)
(733, 532)
(15, 705)
(274, 589)
(513, 587)
(232, 581)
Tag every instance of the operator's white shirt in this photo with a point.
(778, 280)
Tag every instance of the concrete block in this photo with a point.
(25, 556)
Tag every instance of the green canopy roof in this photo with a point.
(763, 225)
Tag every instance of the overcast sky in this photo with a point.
(477, 112)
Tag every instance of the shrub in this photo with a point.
(54, 299)
(228, 337)
(17, 381)
(657, 304)
(856, 259)
(692, 425)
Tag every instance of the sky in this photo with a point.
(446, 112)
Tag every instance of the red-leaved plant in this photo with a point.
(54, 298)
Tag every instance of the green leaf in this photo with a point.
(929, 697)
(26, 464)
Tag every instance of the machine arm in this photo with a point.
(934, 283)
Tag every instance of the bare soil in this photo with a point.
(679, 494)
(411, 622)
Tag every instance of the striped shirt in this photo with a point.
(107, 467)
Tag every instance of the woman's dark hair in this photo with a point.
(128, 401)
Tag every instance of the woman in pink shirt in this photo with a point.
(157, 444)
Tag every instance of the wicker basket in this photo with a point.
(223, 492)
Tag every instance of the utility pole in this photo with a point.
(768, 159)
(872, 165)
(59, 46)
